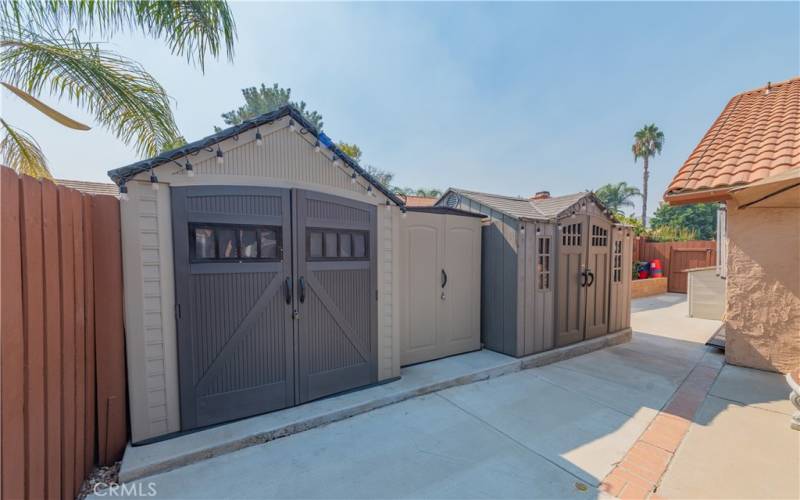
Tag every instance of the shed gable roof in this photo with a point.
(756, 136)
(524, 208)
(123, 174)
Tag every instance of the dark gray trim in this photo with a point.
(123, 174)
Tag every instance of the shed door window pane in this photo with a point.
(228, 249)
(331, 245)
(268, 243)
(315, 244)
(248, 244)
(543, 264)
(345, 245)
(205, 244)
(359, 245)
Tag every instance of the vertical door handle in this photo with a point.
(444, 279)
(584, 276)
(288, 289)
(301, 282)
(591, 277)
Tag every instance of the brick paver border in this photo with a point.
(638, 474)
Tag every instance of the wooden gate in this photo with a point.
(336, 299)
(682, 259)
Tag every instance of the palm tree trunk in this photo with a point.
(645, 177)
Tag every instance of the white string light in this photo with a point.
(259, 138)
(220, 156)
(123, 192)
(153, 181)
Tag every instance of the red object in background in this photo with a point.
(643, 274)
(643, 270)
(655, 268)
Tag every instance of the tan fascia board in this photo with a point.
(704, 196)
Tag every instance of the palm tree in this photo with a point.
(616, 196)
(42, 52)
(647, 142)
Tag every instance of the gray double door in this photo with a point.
(276, 299)
(582, 305)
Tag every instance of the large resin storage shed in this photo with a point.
(262, 270)
(555, 270)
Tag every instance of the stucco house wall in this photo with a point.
(762, 316)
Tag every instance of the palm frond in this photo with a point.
(192, 29)
(22, 153)
(45, 109)
(118, 91)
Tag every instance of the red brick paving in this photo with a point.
(637, 476)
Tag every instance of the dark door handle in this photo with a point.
(583, 275)
(444, 279)
(288, 290)
(301, 282)
(591, 278)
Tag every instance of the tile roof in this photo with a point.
(524, 208)
(105, 188)
(756, 136)
(420, 201)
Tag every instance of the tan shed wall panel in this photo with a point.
(538, 303)
(286, 159)
(706, 294)
(149, 305)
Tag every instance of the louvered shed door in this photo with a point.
(233, 251)
(336, 294)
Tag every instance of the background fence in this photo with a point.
(676, 257)
(63, 405)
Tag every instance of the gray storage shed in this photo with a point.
(260, 272)
(555, 270)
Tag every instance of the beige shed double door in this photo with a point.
(440, 288)
(582, 307)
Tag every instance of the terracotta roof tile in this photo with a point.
(757, 135)
(420, 201)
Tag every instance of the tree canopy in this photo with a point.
(263, 99)
(42, 52)
(616, 196)
(647, 142)
(700, 218)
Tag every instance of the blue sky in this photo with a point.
(507, 98)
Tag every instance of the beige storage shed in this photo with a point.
(440, 283)
(555, 270)
(260, 272)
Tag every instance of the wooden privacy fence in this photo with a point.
(63, 404)
(676, 257)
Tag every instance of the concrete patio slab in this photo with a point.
(575, 432)
(421, 448)
(735, 451)
(144, 460)
(756, 388)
